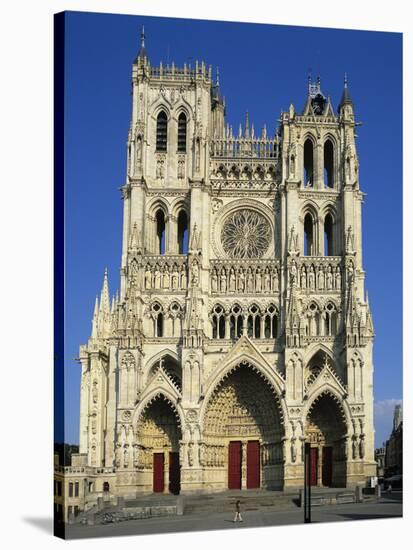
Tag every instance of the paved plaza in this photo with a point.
(389, 506)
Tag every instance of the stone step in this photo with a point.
(225, 503)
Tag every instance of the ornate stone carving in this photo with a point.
(245, 234)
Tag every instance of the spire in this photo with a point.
(135, 237)
(264, 131)
(104, 296)
(216, 92)
(96, 310)
(247, 126)
(345, 97)
(142, 55)
(95, 319)
(369, 319)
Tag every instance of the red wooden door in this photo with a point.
(314, 465)
(253, 464)
(327, 475)
(158, 472)
(174, 474)
(234, 465)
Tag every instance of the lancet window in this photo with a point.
(328, 164)
(328, 235)
(158, 320)
(160, 232)
(330, 320)
(259, 323)
(161, 132)
(309, 248)
(254, 322)
(218, 322)
(235, 322)
(182, 232)
(271, 322)
(182, 127)
(308, 163)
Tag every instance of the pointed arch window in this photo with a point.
(157, 315)
(235, 322)
(161, 132)
(308, 235)
(271, 322)
(182, 126)
(160, 232)
(254, 322)
(308, 163)
(330, 320)
(218, 322)
(328, 164)
(328, 235)
(182, 232)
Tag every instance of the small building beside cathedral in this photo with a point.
(242, 328)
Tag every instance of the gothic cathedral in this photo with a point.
(242, 328)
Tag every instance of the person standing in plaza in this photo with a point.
(237, 516)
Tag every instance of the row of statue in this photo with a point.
(245, 279)
(316, 278)
(167, 277)
(212, 455)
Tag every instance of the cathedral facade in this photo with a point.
(241, 329)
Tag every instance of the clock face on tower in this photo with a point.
(245, 234)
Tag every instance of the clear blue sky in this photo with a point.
(263, 68)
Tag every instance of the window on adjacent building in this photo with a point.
(70, 489)
(76, 489)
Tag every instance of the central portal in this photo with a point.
(243, 419)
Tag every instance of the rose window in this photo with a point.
(246, 234)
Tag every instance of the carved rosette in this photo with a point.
(245, 234)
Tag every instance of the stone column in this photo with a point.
(166, 473)
(126, 190)
(172, 235)
(244, 465)
(84, 404)
(319, 166)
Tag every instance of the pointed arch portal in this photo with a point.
(243, 421)
(158, 434)
(326, 431)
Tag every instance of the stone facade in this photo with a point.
(241, 329)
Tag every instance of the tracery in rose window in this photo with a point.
(246, 234)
